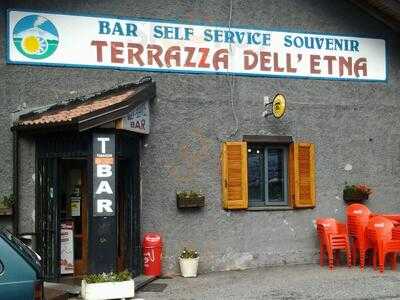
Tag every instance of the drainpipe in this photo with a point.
(15, 181)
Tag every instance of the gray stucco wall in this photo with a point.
(349, 122)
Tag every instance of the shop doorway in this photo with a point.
(73, 216)
(63, 208)
(64, 196)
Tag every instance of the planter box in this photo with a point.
(189, 266)
(108, 290)
(5, 211)
(189, 202)
(355, 198)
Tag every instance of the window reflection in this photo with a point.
(275, 175)
(255, 165)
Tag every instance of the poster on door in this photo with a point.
(67, 248)
(75, 206)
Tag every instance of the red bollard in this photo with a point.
(152, 254)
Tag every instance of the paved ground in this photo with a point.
(290, 282)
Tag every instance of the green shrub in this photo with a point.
(108, 277)
(189, 253)
(357, 189)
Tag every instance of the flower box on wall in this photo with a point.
(356, 193)
(108, 290)
(189, 200)
(355, 198)
(5, 211)
(6, 204)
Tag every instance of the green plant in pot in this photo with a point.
(107, 286)
(7, 201)
(189, 262)
(356, 193)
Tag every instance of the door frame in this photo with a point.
(47, 228)
(128, 145)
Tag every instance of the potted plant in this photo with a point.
(357, 193)
(6, 204)
(108, 286)
(189, 262)
(189, 199)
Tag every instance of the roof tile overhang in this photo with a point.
(89, 111)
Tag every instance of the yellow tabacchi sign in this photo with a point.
(279, 106)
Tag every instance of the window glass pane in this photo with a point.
(276, 185)
(255, 174)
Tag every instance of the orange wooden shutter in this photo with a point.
(234, 175)
(302, 175)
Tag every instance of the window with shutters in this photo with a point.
(267, 175)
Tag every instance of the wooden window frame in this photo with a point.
(299, 176)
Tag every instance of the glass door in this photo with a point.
(74, 217)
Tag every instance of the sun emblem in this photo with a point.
(35, 37)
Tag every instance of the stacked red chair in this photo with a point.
(358, 216)
(379, 231)
(332, 237)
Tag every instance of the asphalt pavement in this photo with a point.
(286, 282)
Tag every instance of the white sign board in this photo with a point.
(146, 45)
(67, 248)
(138, 120)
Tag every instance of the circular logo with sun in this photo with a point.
(35, 37)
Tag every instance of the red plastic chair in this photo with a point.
(332, 237)
(358, 216)
(380, 233)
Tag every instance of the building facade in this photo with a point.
(352, 126)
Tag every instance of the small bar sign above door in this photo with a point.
(103, 175)
(138, 120)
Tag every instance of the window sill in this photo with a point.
(269, 208)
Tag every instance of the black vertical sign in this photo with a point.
(103, 175)
(103, 233)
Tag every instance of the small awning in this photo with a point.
(89, 111)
